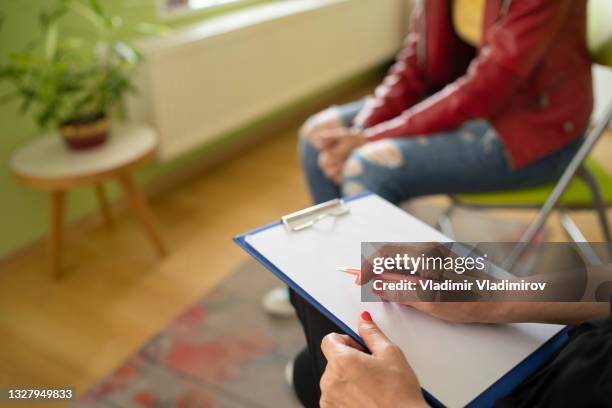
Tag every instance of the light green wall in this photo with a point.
(24, 211)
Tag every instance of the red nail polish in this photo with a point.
(366, 316)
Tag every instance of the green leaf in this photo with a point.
(48, 17)
(63, 74)
(25, 102)
(151, 29)
(51, 41)
(127, 53)
(87, 13)
(95, 6)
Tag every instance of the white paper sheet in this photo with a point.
(454, 362)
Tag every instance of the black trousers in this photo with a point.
(310, 364)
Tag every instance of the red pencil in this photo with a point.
(352, 271)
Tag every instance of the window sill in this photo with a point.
(186, 12)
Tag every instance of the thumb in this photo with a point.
(371, 334)
(325, 139)
(334, 344)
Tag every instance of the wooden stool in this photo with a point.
(47, 164)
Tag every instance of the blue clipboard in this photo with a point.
(498, 390)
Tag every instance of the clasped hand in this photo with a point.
(334, 146)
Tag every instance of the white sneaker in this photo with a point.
(289, 373)
(276, 303)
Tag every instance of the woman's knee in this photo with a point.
(355, 178)
(370, 168)
(358, 175)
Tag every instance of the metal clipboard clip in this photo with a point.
(308, 217)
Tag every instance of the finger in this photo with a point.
(394, 296)
(313, 133)
(328, 159)
(326, 119)
(348, 341)
(326, 165)
(335, 343)
(337, 176)
(325, 139)
(332, 137)
(339, 149)
(352, 343)
(429, 308)
(372, 336)
(331, 170)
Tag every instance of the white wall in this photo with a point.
(203, 81)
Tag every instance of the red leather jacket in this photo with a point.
(530, 78)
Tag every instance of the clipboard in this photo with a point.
(535, 344)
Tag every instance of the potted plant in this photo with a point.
(74, 82)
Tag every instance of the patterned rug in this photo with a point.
(225, 352)
(204, 359)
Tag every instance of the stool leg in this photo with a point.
(55, 233)
(142, 210)
(103, 202)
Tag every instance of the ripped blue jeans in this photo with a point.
(468, 159)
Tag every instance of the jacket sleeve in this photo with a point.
(514, 46)
(403, 86)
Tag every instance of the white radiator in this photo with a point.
(202, 81)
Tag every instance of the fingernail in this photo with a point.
(366, 316)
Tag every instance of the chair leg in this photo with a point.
(564, 181)
(445, 223)
(598, 202)
(577, 237)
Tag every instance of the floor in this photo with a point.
(116, 294)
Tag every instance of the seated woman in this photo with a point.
(485, 96)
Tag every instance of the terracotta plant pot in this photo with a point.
(85, 132)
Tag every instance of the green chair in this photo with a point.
(584, 184)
